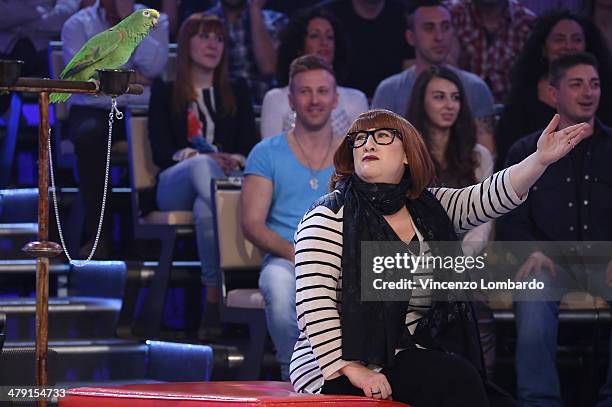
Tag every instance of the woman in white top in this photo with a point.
(311, 32)
(439, 111)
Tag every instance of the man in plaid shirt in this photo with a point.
(253, 38)
(490, 35)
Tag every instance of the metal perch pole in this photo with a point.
(43, 249)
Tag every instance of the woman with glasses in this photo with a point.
(317, 32)
(416, 350)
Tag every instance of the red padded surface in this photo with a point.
(198, 394)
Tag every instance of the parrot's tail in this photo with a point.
(59, 97)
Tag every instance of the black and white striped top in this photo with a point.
(317, 354)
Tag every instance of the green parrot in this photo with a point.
(109, 49)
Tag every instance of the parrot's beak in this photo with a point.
(155, 14)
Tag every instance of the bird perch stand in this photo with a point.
(115, 82)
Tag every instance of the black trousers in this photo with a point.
(429, 378)
(88, 129)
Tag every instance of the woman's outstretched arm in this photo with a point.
(505, 190)
(552, 146)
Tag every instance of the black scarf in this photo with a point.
(371, 331)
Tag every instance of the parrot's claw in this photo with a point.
(96, 82)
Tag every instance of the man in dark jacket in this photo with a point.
(572, 201)
(377, 48)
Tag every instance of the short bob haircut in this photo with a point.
(419, 161)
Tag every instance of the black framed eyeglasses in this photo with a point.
(381, 137)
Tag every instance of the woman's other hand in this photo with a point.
(534, 264)
(373, 384)
(184, 154)
(554, 145)
(225, 161)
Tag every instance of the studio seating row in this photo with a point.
(109, 362)
(576, 306)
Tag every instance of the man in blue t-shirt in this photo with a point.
(284, 176)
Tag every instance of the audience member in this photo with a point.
(421, 347)
(290, 8)
(285, 174)
(25, 31)
(307, 34)
(430, 32)
(27, 27)
(439, 111)
(311, 32)
(375, 29)
(490, 35)
(189, 7)
(541, 7)
(201, 127)
(253, 39)
(569, 203)
(530, 103)
(601, 13)
(88, 118)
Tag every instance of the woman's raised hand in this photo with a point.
(373, 384)
(554, 145)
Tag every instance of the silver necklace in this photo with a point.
(313, 182)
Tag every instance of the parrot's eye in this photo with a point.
(146, 13)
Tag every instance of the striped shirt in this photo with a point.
(317, 355)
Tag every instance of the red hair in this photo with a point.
(183, 92)
(421, 166)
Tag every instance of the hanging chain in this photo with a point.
(114, 112)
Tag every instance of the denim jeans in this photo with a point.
(186, 186)
(536, 347)
(277, 285)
